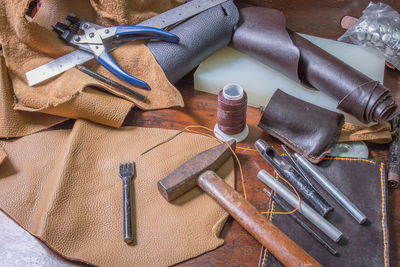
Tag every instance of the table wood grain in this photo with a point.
(315, 17)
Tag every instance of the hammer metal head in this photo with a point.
(185, 176)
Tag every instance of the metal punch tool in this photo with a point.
(98, 41)
(126, 172)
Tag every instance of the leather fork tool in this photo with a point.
(126, 172)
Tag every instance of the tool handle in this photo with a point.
(143, 32)
(112, 83)
(280, 245)
(127, 210)
(109, 63)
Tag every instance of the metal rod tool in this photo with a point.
(297, 166)
(320, 222)
(287, 171)
(110, 82)
(302, 223)
(331, 189)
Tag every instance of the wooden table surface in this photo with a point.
(315, 17)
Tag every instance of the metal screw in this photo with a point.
(107, 31)
(85, 26)
(91, 35)
(77, 39)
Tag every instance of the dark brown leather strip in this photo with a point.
(262, 34)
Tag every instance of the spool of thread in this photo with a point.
(231, 114)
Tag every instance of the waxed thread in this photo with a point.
(225, 119)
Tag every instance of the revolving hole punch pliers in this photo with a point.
(98, 40)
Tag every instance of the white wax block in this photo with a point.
(260, 81)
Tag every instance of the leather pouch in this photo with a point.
(363, 181)
(306, 128)
(200, 37)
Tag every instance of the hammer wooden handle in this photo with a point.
(280, 245)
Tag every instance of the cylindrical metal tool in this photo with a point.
(110, 82)
(287, 171)
(326, 227)
(300, 222)
(331, 189)
(127, 210)
(394, 155)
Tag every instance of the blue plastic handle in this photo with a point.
(141, 32)
(109, 63)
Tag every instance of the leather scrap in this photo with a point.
(76, 181)
(263, 35)
(380, 133)
(306, 128)
(27, 45)
(362, 245)
(14, 123)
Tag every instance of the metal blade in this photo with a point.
(77, 57)
(57, 66)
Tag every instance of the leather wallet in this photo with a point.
(362, 245)
(200, 37)
(306, 128)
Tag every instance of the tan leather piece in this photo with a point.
(3, 155)
(28, 45)
(131, 12)
(90, 103)
(15, 123)
(379, 133)
(63, 187)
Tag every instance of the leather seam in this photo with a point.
(353, 159)
(383, 218)
(382, 207)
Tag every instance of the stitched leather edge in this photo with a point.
(313, 158)
(383, 221)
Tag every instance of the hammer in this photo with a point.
(199, 170)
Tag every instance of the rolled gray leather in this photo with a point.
(200, 37)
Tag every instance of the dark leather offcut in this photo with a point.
(262, 34)
(200, 37)
(306, 128)
(364, 183)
